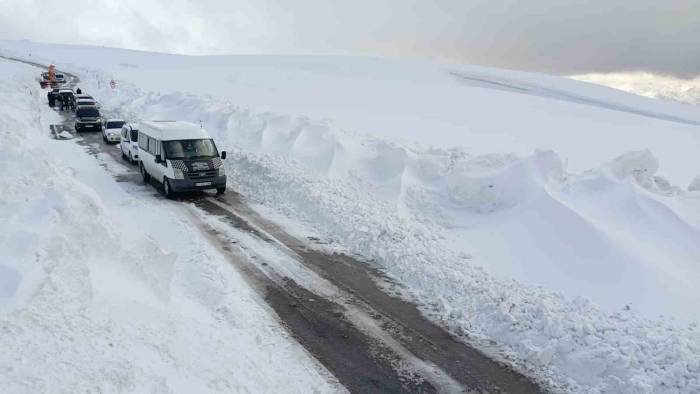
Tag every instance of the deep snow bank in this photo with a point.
(604, 233)
(103, 290)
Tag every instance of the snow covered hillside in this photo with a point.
(102, 290)
(648, 85)
(554, 220)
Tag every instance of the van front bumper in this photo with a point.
(186, 185)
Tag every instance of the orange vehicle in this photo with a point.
(49, 78)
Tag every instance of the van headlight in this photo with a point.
(178, 174)
(222, 172)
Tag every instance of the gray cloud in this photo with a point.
(569, 36)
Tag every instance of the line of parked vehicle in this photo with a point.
(87, 110)
(181, 156)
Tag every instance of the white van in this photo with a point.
(180, 155)
(129, 142)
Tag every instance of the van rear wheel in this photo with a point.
(144, 174)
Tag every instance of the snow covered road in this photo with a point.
(94, 295)
(331, 303)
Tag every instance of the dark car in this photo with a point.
(88, 118)
(52, 95)
(87, 103)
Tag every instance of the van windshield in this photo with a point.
(135, 135)
(190, 149)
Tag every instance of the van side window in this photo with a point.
(152, 145)
(143, 143)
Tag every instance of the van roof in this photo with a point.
(167, 130)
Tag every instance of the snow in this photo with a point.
(648, 84)
(538, 217)
(694, 185)
(108, 289)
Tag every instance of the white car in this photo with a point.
(111, 130)
(129, 142)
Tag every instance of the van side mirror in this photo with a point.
(223, 155)
(159, 159)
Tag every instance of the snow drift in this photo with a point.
(602, 233)
(536, 216)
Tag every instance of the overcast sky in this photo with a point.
(555, 36)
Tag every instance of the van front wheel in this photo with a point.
(144, 174)
(166, 188)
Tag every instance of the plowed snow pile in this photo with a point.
(102, 291)
(553, 222)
